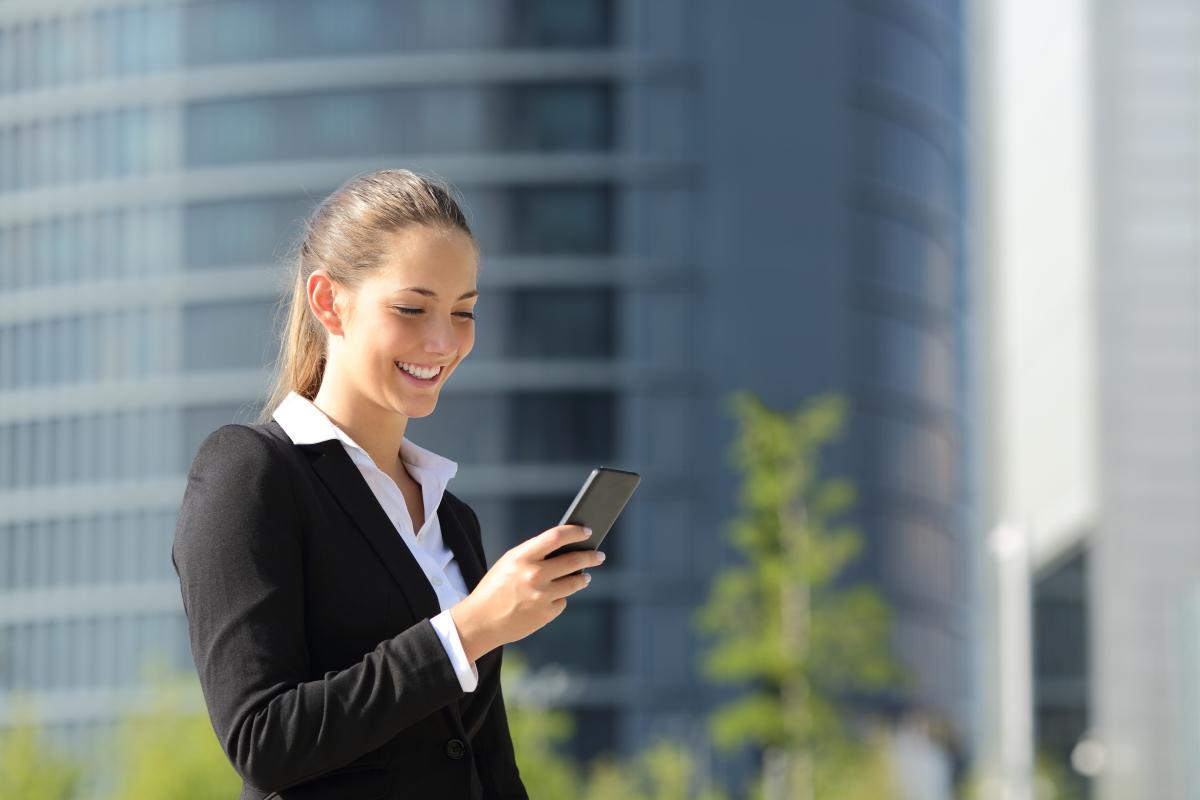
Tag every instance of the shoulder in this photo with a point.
(239, 454)
(237, 441)
(238, 501)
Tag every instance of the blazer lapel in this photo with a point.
(455, 535)
(337, 471)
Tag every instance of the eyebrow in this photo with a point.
(431, 293)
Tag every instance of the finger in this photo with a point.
(566, 563)
(551, 539)
(568, 585)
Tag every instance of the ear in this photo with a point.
(328, 302)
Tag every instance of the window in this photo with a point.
(912, 359)
(1062, 674)
(368, 122)
(906, 162)
(241, 233)
(224, 31)
(562, 219)
(906, 260)
(561, 23)
(584, 640)
(229, 335)
(918, 460)
(563, 426)
(558, 323)
(559, 117)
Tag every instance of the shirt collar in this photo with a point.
(304, 423)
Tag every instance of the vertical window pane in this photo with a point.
(559, 117)
(562, 219)
(568, 426)
(561, 23)
(583, 641)
(570, 323)
(229, 335)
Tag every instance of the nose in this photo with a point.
(440, 339)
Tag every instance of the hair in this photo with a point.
(345, 236)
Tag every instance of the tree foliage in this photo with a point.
(31, 767)
(783, 622)
(170, 749)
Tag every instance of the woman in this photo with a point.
(347, 638)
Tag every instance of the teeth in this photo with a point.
(423, 373)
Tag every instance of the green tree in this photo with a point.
(538, 733)
(782, 622)
(30, 768)
(169, 749)
(664, 771)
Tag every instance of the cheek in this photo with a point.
(390, 337)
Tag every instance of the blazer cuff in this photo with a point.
(465, 669)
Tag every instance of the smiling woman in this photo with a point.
(346, 631)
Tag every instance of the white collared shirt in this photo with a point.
(306, 424)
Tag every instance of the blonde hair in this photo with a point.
(344, 237)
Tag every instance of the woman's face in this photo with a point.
(416, 311)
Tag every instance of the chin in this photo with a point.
(413, 410)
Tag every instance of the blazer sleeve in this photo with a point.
(237, 551)
(494, 751)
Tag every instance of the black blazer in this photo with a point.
(308, 619)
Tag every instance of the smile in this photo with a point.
(424, 376)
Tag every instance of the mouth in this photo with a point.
(427, 376)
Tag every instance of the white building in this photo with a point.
(1087, 210)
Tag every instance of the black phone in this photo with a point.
(598, 504)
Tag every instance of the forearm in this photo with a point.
(279, 735)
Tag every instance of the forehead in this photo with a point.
(424, 256)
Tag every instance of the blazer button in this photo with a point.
(456, 749)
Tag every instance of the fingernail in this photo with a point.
(587, 531)
(601, 555)
(587, 578)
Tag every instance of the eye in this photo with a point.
(415, 311)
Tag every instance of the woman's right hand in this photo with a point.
(523, 590)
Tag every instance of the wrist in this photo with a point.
(471, 631)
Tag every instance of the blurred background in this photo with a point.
(975, 222)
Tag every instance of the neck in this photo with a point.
(376, 430)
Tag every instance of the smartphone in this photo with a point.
(598, 504)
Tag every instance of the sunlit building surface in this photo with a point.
(1088, 228)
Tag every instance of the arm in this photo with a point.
(240, 567)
